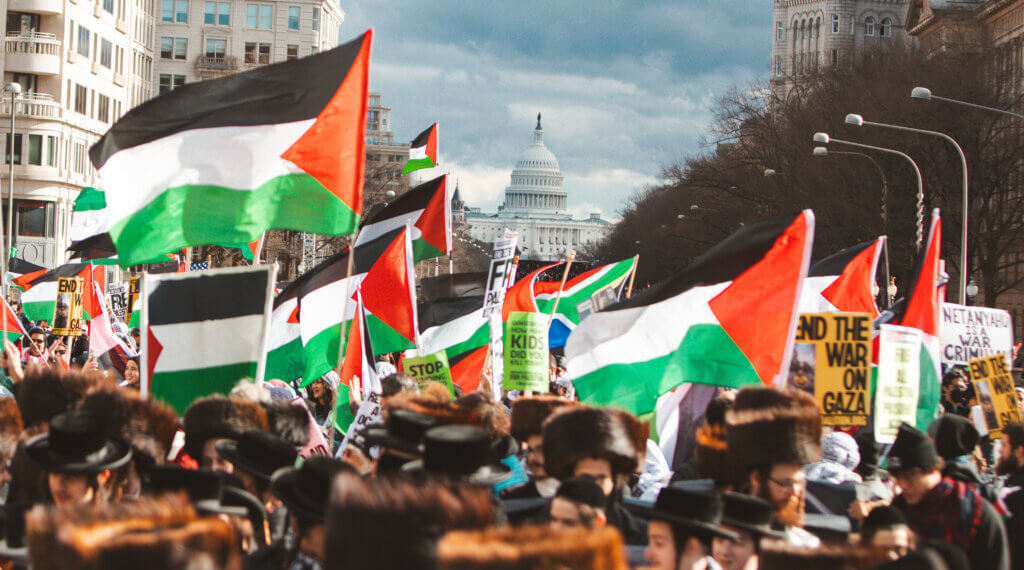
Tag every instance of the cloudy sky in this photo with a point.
(625, 87)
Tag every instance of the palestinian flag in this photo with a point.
(101, 332)
(357, 363)
(580, 293)
(920, 310)
(203, 331)
(389, 292)
(285, 358)
(222, 161)
(843, 282)
(13, 324)
(40, 294)
(422, 151)
(248, 250)
(20, 271)
(428, 208)
(729, 319)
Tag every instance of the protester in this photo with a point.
(749, 518)
(579, 502)
(839, 457)
(398, 382)
(12, 369)
(681, 527)
(886, 533)
(131, 373)
(955, 441)
(255, 456)
(956, 393)
(322, 395)
(528, 415)
(1010, 464)
(942, 508)
(36, 353)
(211, 419)
(10, 433)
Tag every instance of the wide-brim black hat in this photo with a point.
(697, 512)
(305, 489)
(205, 489)
(749, 514)
(403, 431)
(487, 475)
(258, 453)
(462, 452)
(76, 443)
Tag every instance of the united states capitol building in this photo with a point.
(535, 206)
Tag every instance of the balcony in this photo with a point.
(32, 106)
(36, 6)
(32, 52)
(213, 67)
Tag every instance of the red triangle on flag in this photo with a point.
(352, 363)
(333, 150)
(851, 291)
(922, 310)
(431, 150)
(294, 317)
(388, 290)
(520, 297)
(153, 348)
(433, 222)
(25, 281)
(466, 368)
(13, 323)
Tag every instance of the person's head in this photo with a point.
(11, 427)
(74, 488)
(136, 336)
(213, 418)
(316, 389)
(739, 553)
(953, 435)
(1011, 449)
(682, 525)
(37, 340)
(528, 415)
(750, 519)
(886, 533)
(602, 444)
(954, 381)
(398, 382)
(782, 485)
(495, 419)
(131, 371)
(599, 470)
(579, 502)
(914, 463)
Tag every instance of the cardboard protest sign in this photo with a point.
(899, 380)
(118, 295)
(499, 275)
(497, 328)
(369, 412)
(968, 333)
(993, 384)
(526, 352)
(67, 312)
(832, 361)
(430, 368)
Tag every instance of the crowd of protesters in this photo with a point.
(93, 475)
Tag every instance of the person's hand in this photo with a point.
(14, 369)
(53, 346)
(356, 458)
(355, 395)
(91, 364)
(485, 382)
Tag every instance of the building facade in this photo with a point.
(810, 34)
(384, 158)
(80, 65)
(536, 206)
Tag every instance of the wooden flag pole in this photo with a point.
(565, 277)
(636, 265)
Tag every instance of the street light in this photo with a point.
(858, 121)
(925, 94)
(823, 138)
(14, 89)
(972, 289)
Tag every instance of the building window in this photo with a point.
(293, 17)
(106, 53)
(81, 99)
(293, 52)
(174, 11)
(314, 50)
(35, 149)
(216, 49)
(35, 218)
(869, 26)
(780, 32)
(833, 56)
(217, 13)
(83, 41)
(17, 149)
(174, 48)
(259, 16)
(258, 53)
(316, 19)
(885, 30)
(103, 110)
(108, 5)
(51, 151)
(169, 82)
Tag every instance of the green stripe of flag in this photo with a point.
(422, 249)
(180, 388)
(286, 362)
(418, 164)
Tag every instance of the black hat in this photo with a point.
(305, 489)
(403, 431)
(749, 514)
(953, 435)
(911, 449)
(77, 443)
(258, 453)
(205, 489)
(697, 512)
(12, 532)
(463, 452)
(583, 490)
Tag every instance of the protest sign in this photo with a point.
(497, 349)
(499, 275)
(832, 361)
(993, 384)
(968, 333)
(899, 378)
(526, 352)
(134, 287)
(430, 368)
(118, 295)
(369, 412)
(67, 312)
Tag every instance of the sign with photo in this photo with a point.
(67, 311)
(832, 361)
(997, 398)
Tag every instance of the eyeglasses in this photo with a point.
(789, 483)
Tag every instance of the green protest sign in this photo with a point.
(526, 352)
(430, 368)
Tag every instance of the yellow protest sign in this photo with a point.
(67, 311)
(993, 384)
(832, 360)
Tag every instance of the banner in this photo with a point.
(498, 278)
(526, 352)
(899, 380)
(67, 312)
(118, 295)
(968, 333)
(369, 412)
(430, 368)
(497, 350)
(993, 384)
(832, 361)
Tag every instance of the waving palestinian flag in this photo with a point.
(40, 294)
(729, 319)
(428, 208)
(12, 323)
(222, 161)
(422, 151)
(843, 282)
(580, 294)
(285, 357)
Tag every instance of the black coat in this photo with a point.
(1014, 501)
(633, 529)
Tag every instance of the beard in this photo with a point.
(1008, 465)
(789, 511)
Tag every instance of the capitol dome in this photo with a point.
(536, 180)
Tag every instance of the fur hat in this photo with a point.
(289, 422)
(575, 432)
(45, 392)
(528, 414)
(220, 417)
(530, 547)
(712, 454)
(10, 427)
(777, 555)
(767, 426)
(148, 425)
(444, 411)
(156, 534)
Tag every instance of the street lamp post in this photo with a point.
(925, 94)
(14, 89)
(857, 120)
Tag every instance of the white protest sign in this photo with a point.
(369, 412)
(968, 333)
(497, 354)
(118, 295)
(498, 276)
(899, 380)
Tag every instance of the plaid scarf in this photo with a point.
(951, 512)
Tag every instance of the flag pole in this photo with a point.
(259, 249)
(565, 276)
(344, 309)
(636, 265)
